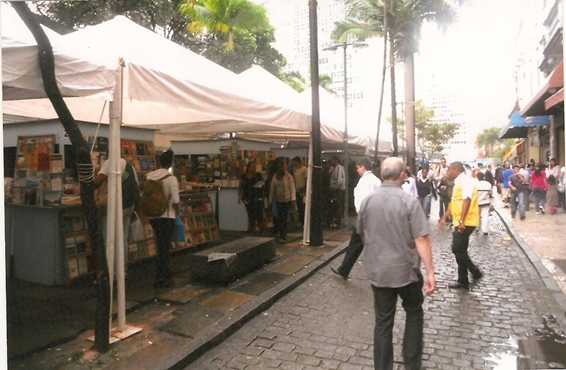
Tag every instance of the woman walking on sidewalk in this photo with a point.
(539, 186)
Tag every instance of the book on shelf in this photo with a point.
(141, 148)
(199, 222)
(149, 149)
(148, 230)
(78, 223)
(70, 245)
(189, 238)
(80, 241)
(145, 165)
(67, 224)
(73, 267)
(83, 265)
(57, 164)
(57, 181)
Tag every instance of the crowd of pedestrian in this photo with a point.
(393, 230)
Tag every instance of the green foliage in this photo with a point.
(234, 18)
(252, 42)
(431, 137)
(295, 80)
(404, 21)
(489, 139)
(161, 16)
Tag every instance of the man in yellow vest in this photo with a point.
(466, 217)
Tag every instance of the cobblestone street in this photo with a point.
(327, 323)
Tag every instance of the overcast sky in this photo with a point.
(477, 54)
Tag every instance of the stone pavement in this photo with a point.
(510, 320)
(545, 234)
(48, 326)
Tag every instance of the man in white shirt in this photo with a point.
(368, 184)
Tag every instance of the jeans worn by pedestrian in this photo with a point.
(518, 198)
(385, 301)
(540, 198)
(460, 243)
(163, 229)
(425, 203)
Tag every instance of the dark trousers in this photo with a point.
(281, 219)
(385, 301)
(460, 244)
(353, 251)
(301, 207)
(163, 229)
(337, 205)
(443, 203)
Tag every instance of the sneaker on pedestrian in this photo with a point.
(538, 213)
(337, 272)
(542, 210)
(522, 218)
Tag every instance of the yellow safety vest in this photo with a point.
(473, 216)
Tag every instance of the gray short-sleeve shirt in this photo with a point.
(390, 220)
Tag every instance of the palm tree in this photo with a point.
(404, 20)
(224, 18)
(489, 138)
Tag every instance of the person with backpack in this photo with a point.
(160, 202)
(130, 197)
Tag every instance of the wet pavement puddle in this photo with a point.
(543, 349)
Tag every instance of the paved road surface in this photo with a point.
(328, 324)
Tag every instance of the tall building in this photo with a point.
(448, 100)
(291, 21)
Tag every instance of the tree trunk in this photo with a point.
(410, 110)
(82, 150)
(395, 151)
(383, 76)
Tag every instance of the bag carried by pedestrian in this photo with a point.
(136, 229)
(179, 231)
(101, 197)
(153, 201)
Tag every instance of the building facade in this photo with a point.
(539, 77)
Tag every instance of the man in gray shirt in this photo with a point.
(395, 232)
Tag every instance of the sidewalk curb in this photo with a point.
(544, 274)
(226, 326)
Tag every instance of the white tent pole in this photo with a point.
(115, 133)
(307, 220)
(114, 116)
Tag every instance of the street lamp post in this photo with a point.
(346, 156)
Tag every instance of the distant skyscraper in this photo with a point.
(291, 21)
(449, 104)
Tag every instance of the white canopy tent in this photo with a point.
(166, 87)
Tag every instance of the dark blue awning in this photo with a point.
(518, 127)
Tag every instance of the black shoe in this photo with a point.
(512, 216)
(522, 218)
(338, 273)
(478, 277)
(459, 286)
(484, 233)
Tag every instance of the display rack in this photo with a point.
(79, 259)
(140, 154)
(200, 228)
